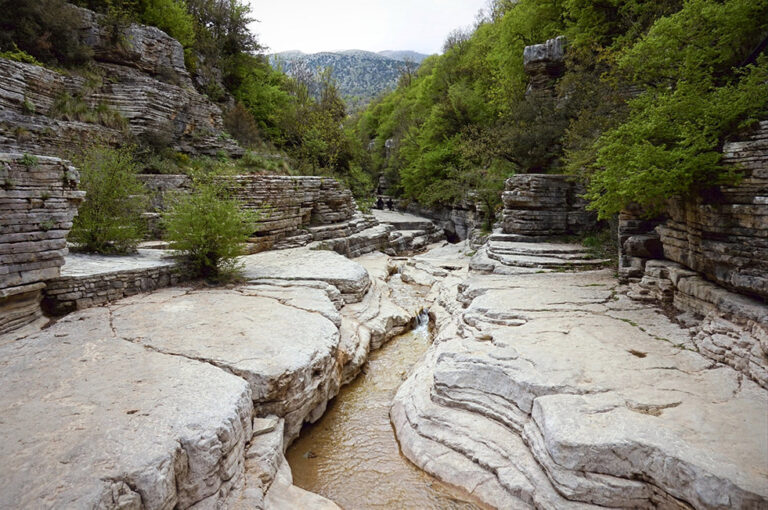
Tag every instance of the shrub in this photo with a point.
(18, 55)
(209, 227)
(109, 221)
(69, 107)
(239, 122)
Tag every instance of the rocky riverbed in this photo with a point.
(549, 390)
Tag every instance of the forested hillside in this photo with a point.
(361, 75)
(263, 109)
(650, 91)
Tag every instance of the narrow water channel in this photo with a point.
(351, 455)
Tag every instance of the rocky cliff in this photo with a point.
(136, 89)
(38, 200)
(707, 257)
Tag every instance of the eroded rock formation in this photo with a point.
(187, 398)
(38, 200)
(544, 205)
(142, 81)
(544, 64)
(707, 258)
(558, 391)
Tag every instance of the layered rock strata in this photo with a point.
(725, 235)
(707, 258)
(556, 391)
(517, 254)
(187, 398)
(302, 209)
(143, 81)
(726, 327)
(38, 200)
(544, 205)
(544, 64)
(90, 280)
(459, 222)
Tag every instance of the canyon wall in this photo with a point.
(139, 89)
(708, 257)
(38, 200)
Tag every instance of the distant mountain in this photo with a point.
(361, 75)
(413, 56)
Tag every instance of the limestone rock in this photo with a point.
(544, 63)
(109, 424)
(147, 49)
(245, 333)
(544, 205)
(349, 277)
(148, 86)
(550, 391)
(38, 201)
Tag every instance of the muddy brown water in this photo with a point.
(351, 455)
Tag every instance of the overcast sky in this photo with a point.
(373, 25)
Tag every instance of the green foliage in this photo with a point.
(69, 107)
(110, 220)
(18, 55)
(46, 30)
(239, 122)
(692, 98)
(28, 160)
(209, 227)
(172, 17)
(650, 92)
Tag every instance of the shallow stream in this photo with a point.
(351, 455)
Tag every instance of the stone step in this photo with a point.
(559, 250)
(545, 262)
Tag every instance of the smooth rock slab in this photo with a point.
(286, 353)
(90, 421)
(348, 276)
(603, 392)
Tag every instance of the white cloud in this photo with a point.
(374, 25)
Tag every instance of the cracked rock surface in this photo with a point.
(556, 391)
(187, 397)
(92, 421)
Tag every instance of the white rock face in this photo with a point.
(555, 391)
(149, 402)
(319, 265)
(104, 423)
(286, 352)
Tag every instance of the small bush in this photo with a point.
(209, 228)
(69, 107)
(109, 221)
(18, 55)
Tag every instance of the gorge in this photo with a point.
(492, 351)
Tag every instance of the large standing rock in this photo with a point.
(38, 200)
(544, 205)
(544, 63)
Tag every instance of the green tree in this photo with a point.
(110, 220)
(208, 227)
